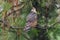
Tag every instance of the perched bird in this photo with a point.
(31, 19)
(32, 23)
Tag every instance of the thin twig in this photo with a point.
(52, 25)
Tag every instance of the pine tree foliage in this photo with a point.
(42, 7)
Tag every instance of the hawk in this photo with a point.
(31, 20)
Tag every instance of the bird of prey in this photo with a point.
(31, 20)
